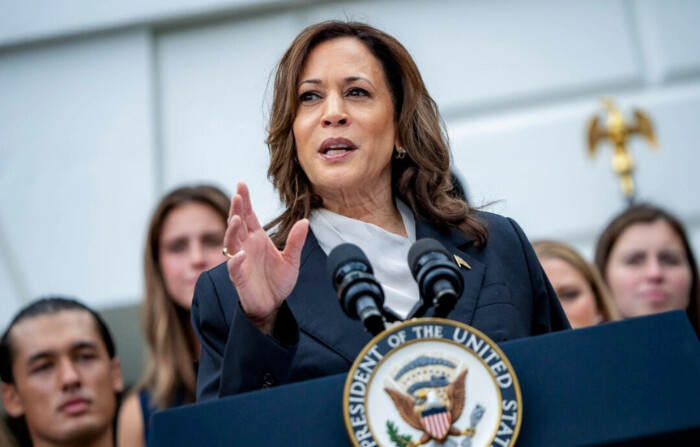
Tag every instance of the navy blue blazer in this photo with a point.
(506, 296)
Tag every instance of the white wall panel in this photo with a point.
(477, 53)
(671, 37)
(669, 176)
(75, 165)
(28, 20)
(8, 305)
(213, 84)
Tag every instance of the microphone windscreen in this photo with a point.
(343, 254)
(422, 247)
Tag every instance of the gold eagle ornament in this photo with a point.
(619, 132)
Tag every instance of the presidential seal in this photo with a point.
(432, 382)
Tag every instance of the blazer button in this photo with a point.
(268, 380)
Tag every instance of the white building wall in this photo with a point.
(105, 105)
(76, 167)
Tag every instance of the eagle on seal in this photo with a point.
(433, 410)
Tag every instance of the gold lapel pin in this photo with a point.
(461, 262)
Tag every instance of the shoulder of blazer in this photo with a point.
(496, 224)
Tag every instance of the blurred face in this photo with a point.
(65, 382)
(190, 243)
(574, 292)
(648, 271)
(344, 129)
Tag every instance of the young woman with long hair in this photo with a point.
(185, 238)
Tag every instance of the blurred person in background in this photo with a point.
(185, 237)
(581, 291)
(645, 258)
(60, 374)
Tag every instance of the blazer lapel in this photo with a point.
(457, 243)
(315, 305)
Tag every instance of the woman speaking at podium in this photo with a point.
(358, 154)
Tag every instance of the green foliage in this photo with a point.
(398, 439)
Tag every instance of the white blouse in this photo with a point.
(387, 252)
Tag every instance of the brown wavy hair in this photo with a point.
(170, 374)
(421, 179)
(559, 250)
(646, 213)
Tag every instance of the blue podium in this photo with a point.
(628, 383)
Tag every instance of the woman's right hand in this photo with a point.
(263, 276)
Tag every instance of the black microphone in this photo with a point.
(439, 280)
(360, 294)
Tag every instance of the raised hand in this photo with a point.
(263, 276)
